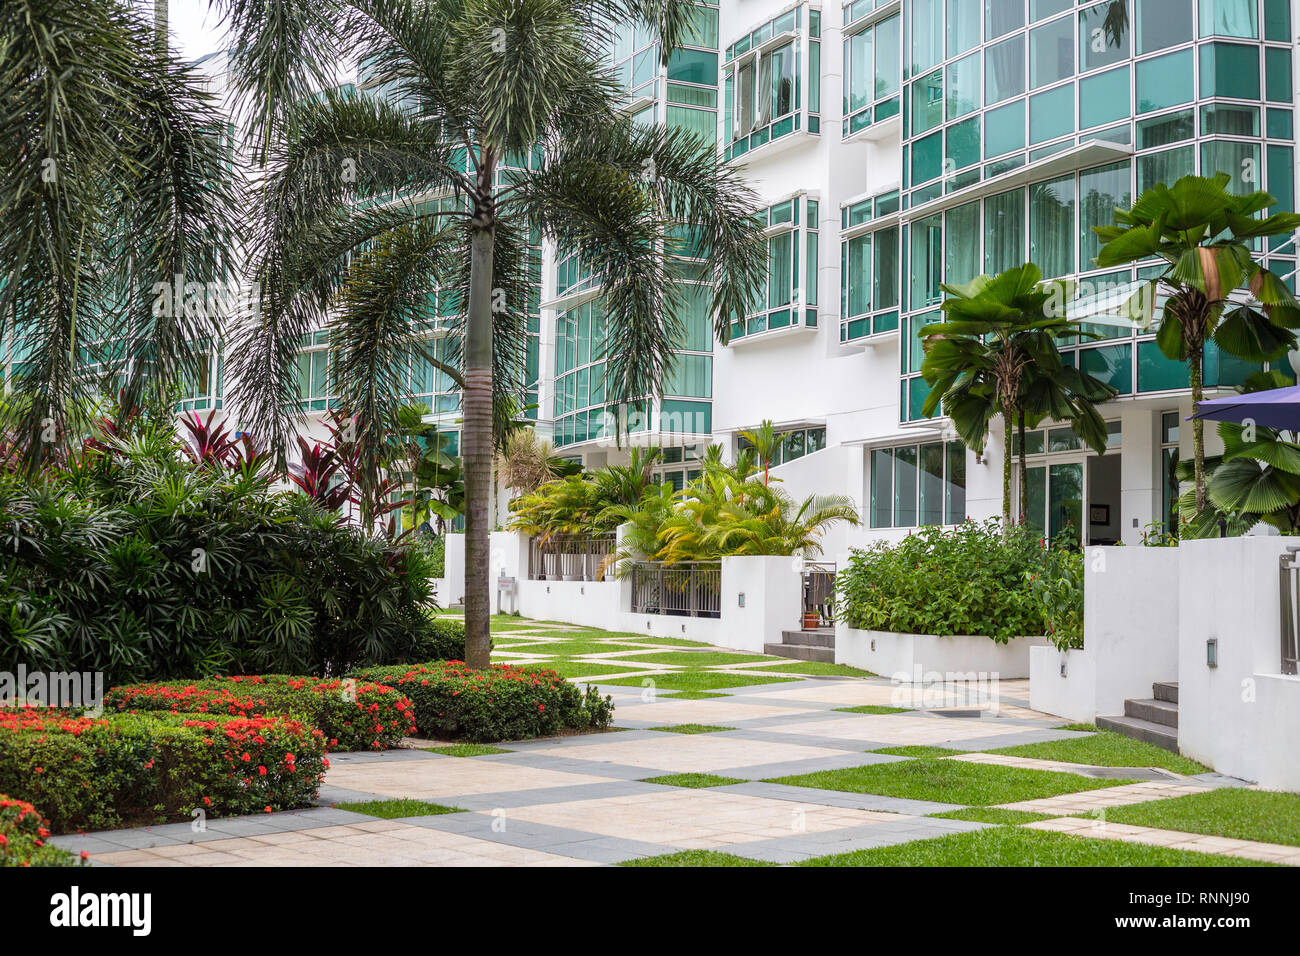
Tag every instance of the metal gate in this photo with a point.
(819, 591)
(1289, 583)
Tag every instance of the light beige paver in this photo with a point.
(685, 753)
(432, 779)
(717, 711)
(1174, 839)
(1107, 797)
(1033, 763)
(901, 729)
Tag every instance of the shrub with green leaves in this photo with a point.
(90, 773)
(974, 579)
(23, 834)
(455, 702)
(142, 565)
(353, 715)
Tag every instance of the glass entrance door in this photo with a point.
(1056, 497)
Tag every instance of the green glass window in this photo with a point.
(905, 486)
(1165, 81)
(1051, 226)
(693, 66)
(1162, 23)
(691, 376)
(1042, 9)
(1004, 231)
(885, 273)
(927, 38)
(1004, 129)
(963, 25)
(1230, 120)
(1239, 160)
(1281, 181)
(962, 244)
(1230, 18)
(1004, 70)
(1051, 114)
(963, 86)
(927, 158)
(882, 487)
(857, 275)
(1001, 17)
(1051, 53)
(1163, 130)
(1230, 69)
(926, 261)
(1101, 190)
(780, 269)
(1103, 98)
(1157, 373)
(964, 143)
(1112, 364)
(1280, 124)
(889, 71)
(1277, 75)
(1103, 35)
(1166, 167)
(927, 102)
(1277, 20)
(859, 90)
(703, 123)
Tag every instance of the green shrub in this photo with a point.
(443, 640)
(143, 566)
(130, 769)
(23, 832)
(455, 702)
(437, 549)
(352, 715)
(973, 579)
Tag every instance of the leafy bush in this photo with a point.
(453, 701)
(141, 564)
(127, 769)
(973, 579)
(352, 715)
(442, 640)
(437, 557)
(22, 837)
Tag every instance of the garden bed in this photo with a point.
(925, 658)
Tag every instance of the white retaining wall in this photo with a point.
(924, 658)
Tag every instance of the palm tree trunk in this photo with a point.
(476, 441)
(1006, 467)
(1195, 375)
(1024, 470)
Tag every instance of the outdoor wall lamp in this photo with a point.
(1212, 652)
(740, 598)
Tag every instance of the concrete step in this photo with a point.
(1156, 711)
(1139, 729)
(801, 652)
(822, 637)
(1166, 691)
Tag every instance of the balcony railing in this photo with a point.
(571, 558)
(687, 589)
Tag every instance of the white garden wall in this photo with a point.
(924, 658)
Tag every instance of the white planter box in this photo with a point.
(1072, 694)
(922, 658)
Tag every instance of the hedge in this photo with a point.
(351, 715)
(90, 773)
(23, 832)
(456, 702)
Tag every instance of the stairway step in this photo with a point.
(1166, 691)
(822, 637)
(801, 652)
(1156, 711)
(1139, 729)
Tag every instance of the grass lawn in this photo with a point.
(917, 750)
(698, 680)
(701, 658)
(993, 815)
(568, 669)
(817, 669)
(693, 780)
(392, 809)
(873, 709)
(692, 729)
(696, 858)
(1106, 749)
(694, 695)
(1264, 815)
(1016, 846)
(949, 781)
(466, 750)
(579, 648)
(665, 641)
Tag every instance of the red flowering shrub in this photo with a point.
(23, 833)
(453, 701)
(91, 773)
(353, 715)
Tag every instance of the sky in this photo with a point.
(195, 27)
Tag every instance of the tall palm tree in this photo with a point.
(766, 444)
(114, 182)
(1204, 234)
(513, 111)
(995, 354)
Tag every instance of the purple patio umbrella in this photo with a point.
(1275, 408)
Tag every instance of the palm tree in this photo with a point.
(995, 354)
(527, 462)
(766, 444)
(514, 112)
(114, 180)
(624, 484)
(1204, 234)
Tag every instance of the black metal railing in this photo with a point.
(819, 591)
(686, 589)
(1289, 583)
(571, 558)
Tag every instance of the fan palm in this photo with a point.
(995, 354)
(1205, 234)
(114, 182)
(514, 114)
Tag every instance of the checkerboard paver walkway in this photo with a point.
(583, 800)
